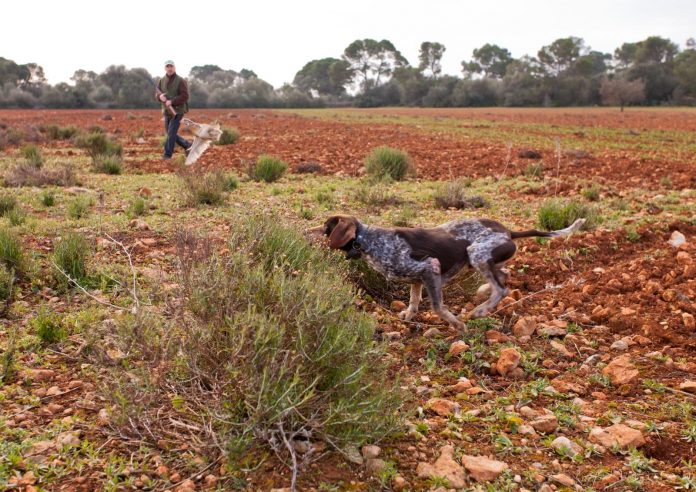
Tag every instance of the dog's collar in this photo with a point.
(358, 242)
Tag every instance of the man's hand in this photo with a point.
(168, 104)
(163, 97)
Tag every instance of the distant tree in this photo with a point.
(327, 76)
(113, 77)
(656, 49)
(589, 65)
(620, 91)
(413, 84)
(522, 83)
(25, 75)
(134, 90)
(477, 93)
(247, 74)
(372, 62)
(203, 72)
(685, 71)
(489, 59)
(625, 55)
(691, 44)
(430, 58)
(560, 55)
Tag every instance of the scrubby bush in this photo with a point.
(137, 208)
(11, 252)
(79, 207)
(70, 257)
(386, 161)
(108, 164)
(98, 144)
(375, 194)
(556, 214)
(455, 194)
(16, 216)
(55, 132)
(27, 175)
(207, 188)
(49, 327)
(33, 155)
(268, 169)
(47, 198)
(591, 193)
(229, 136)
(7, 281)
(7, 203)
(534, 170)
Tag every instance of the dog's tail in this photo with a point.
(571, 229)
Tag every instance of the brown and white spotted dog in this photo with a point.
(431, 257)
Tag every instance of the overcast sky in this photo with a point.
(276, 38)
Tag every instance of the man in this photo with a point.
(173, 94)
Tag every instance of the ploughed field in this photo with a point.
(583, 379)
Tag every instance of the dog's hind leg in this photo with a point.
(488, 263)
(416, 291)
(433, 285)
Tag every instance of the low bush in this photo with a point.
(455, 194)
(47, 198)
(534, 170)
(591, 194)
(7, 203)
(207, 188)
(79, 207)
(388, 162)
(7, 289)
(55, 132)
(137, 208)
(70, 258)
(108, 164)
(229, 136)
(33, 155)
(268, 169)
(27, 175)
(16, 216)
(11, 251)
(98, 144)
(557, 214)
(375, 194)
(49, 327)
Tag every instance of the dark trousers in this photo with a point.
(171, 126)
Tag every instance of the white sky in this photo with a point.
(276, 38)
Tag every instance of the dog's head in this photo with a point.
(341, 231)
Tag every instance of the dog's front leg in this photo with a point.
(416, 291)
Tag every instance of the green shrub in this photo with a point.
(386, 161)
(556, 214)
(70, 257)
(230, 182)
(591, 194)
(7, 203)
(108, 164)
(534, 170)
(268, 169)
(7, 281)
(33, 155)
(98, 144)
(137, 208)
(454, 194)
(405, 217)
(207, 188)
(16, 216)
(79, 207)
(281, 314)
(375, 194)
(55, 132)
(229, 136)
(11, 252)
(49, 327)
(47, 198)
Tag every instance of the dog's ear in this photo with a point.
(341, 230)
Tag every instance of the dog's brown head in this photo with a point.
(340, 230)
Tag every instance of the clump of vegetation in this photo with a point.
(272, 345)
(79, 207)
(556, 214)
(387, 161)
(137, 208)
(309, 168)
(97, 143)
(108, 164)
(375, 194)
(534, 170)
(33, 156)
(16, 216)
(229, 136)
(70, 258)
(591, 193)
(268, 169)
(405, 216)
(208, 188)
(11, 252)
(7, 203)
(7, 289)
(455, 194)
(26, 174)
(55, 132)
(49, 327)
(47, 198)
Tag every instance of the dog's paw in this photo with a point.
(479, 312)
(407, 315)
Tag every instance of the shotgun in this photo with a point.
(159, 92)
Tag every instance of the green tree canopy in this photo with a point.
(327, 76)
(430, 57)
(372, 62)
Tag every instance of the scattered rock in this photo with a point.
(145, 192)
(398, 483)
(676, 239)
(53, 391)
(689, 322)
(445, 467)
(40, 374)
(524, 327)
(546, 423)
(483, 469)
(619, 345)
(563, 479)
(139, 224)
(443, 407)
(482, 293)
(564, 446)
(688, 386)
(374, 465)
(457, 348)
(461, 385)
(398, 306)
(432, 333)
(617, 435)
(509, 359)
(370, 451)
(494, 336)
(561, 348)
(621, 371)
(529, 154)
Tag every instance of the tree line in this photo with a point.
(370, 73)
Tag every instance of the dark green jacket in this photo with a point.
(176, 90)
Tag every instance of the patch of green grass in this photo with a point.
(268, 169)
(7, 203)
(16, 216)
(591, 193)
(32, 154)
(79, 207)
(388, 162)
(49, 327)
(137, 208)
(534, 170)
(70, 256)
(207, 188)
(229, 136)
(556, 214)
(108, 164)
(11, 251)
(456, 194)
(47, 198)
